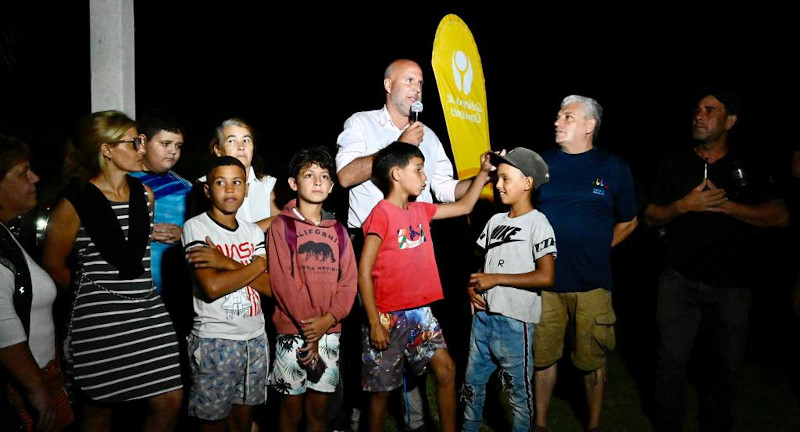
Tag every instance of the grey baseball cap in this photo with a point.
(527, 161)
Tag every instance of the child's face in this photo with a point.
(512, 184)
(312, 184)
(412, 177)
(226, 187)
(163, 151)
(238, 143)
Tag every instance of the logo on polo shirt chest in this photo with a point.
(599, 186)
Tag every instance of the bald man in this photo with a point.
(367, 132)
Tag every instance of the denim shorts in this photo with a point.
(414, 335)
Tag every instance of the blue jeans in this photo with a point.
(499, 341)
(685, 306)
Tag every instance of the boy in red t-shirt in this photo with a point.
(398, 279)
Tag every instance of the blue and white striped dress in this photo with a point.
(123, 345)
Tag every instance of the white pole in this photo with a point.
(111, 34)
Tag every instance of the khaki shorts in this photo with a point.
(590, 318)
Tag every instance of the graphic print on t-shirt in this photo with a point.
(411, 237)
(504, 234)
(319, 251)
(599, 186)
(317, 256)
(500, 235)
(245, 301)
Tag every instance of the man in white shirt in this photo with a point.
(367, 132)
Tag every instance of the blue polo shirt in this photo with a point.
(587, 194)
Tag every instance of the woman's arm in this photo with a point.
(62, 230)
(274, 210)
(265, 223)
(18, 361)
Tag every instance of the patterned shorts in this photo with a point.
(414, 334)
(290, 378)
(226, 372)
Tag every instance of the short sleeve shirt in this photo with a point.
(405, 275)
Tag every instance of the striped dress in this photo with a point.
(123, 343)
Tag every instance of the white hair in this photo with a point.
(591, 108)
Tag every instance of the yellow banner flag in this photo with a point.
(459, 77)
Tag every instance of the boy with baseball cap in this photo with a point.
(520, 251)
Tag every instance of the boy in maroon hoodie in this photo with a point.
(313, 273)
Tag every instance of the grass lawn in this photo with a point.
(767, 403)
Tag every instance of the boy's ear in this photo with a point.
(292, 183)
(529, 182)
(395, 173)
(207, 189)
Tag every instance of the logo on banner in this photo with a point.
(459, 78)
(462, 71)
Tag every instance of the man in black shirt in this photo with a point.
(711, 201)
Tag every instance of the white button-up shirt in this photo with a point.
(367, 132)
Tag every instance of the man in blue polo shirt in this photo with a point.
(591, 203)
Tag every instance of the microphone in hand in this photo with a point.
(416, 108)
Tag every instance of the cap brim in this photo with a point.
(496, 160)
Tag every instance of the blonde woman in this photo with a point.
(121, 340)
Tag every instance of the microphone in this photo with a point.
(416, 108)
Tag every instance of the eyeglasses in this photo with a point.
(137, 142)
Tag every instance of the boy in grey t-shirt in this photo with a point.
(520, 252)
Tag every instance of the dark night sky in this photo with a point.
(297, 76)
